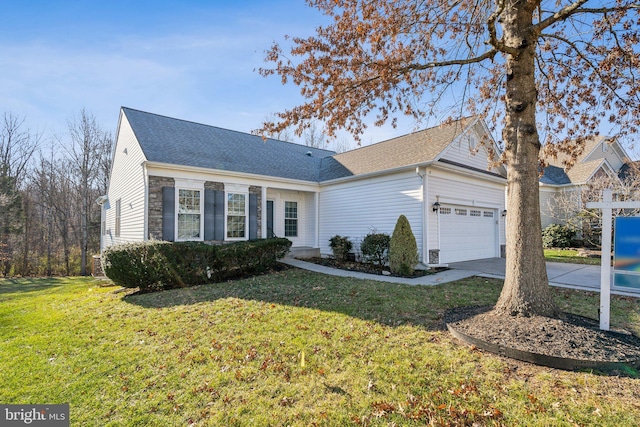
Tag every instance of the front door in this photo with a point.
(270, 219)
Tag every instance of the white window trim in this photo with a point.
(246, 216)
(189, 184)
(236, 189)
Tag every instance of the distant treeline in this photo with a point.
(49, 220)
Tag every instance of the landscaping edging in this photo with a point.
(564, 363)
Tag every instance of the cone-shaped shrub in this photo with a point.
(403, 250)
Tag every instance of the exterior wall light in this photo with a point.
(436, 206)
(504, 213)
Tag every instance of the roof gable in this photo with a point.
(470, 149)
(417, 148)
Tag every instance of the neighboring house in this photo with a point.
(601, 158)
(177, 180)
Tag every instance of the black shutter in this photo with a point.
(253, 216)
(209, 214)
(168, 213)
(218, 232)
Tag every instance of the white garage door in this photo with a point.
(467, 233)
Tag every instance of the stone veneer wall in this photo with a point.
(216, 186)
(253, 189)
(434, 256)
(155, 204)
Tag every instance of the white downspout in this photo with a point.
(425, 215)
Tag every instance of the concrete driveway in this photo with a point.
(577, 276)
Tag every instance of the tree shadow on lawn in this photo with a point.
(31, 284)
(386, 303)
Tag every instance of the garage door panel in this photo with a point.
(467, 232)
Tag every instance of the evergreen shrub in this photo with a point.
(557, 236)
(340, 246)
(375, 248)
(403, 250)
(157, 265)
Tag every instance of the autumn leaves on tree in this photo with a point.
(548, 73)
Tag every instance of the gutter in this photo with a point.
(198, 169)
(375, 174)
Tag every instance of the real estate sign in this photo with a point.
(626, 262)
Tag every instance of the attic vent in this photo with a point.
(309, 153)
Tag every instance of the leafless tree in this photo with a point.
(89, 146)
(314, 137)
(17, 146)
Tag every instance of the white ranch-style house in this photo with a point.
(177, 180)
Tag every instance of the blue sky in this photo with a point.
(189, 59)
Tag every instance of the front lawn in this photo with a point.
(289, 348)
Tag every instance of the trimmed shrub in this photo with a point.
(557, 236)
(403, 250)
(375, 248)
(160, 265)
(340, 246)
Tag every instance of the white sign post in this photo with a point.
(607, 205)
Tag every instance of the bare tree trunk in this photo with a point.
(26, 235)
(526, 290)
(49, 241)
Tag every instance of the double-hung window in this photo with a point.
(189, 214)
(291, 219)
(237, 207)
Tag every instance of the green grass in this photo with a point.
(374, 354)
(569, 255)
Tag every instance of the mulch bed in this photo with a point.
(369, 268)
(577, 340)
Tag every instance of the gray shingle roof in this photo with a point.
(554, 175)
(416, 148)
(578, 174)
(179, 142)
(168, 140)
(628, 170)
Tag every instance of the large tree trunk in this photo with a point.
(526, 290)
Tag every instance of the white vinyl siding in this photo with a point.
(610, 154)
(467, 150)
(354, 209)
(306, 215)
(547, 200)
(127, 183)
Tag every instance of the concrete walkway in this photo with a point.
(575, 276)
